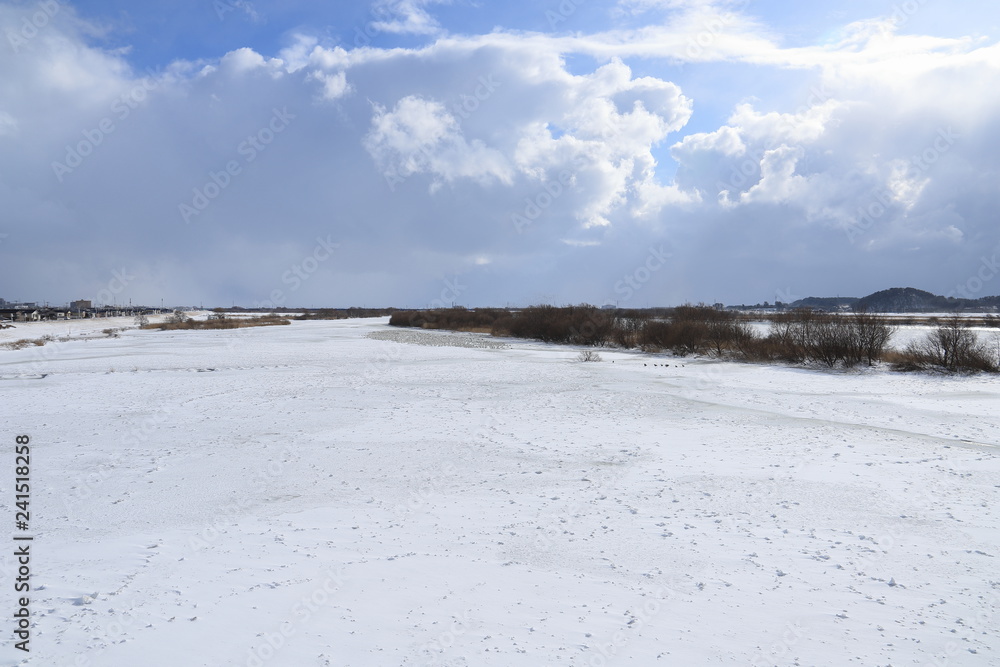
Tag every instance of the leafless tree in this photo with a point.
(870, 335)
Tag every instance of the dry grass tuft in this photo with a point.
(216, 323)
(22, 343)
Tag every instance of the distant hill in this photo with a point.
(910, 300)
(901, 300)
(826, 302)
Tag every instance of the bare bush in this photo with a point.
(689, 337)
(826, 339)
(951, 347)
(693, 330)
(790, 333)
(576, 325)
(757, 349)
(211, 324)
(480, 320)
(870, 337)
(728, 335)
(797, 336)
(588, 355)
(954, 347)
(654, 336)
(626, 329)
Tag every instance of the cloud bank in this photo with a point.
(511, 167)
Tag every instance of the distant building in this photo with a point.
(80, 305)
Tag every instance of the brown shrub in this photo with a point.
(795, 336)
(215, 324)
(908, 360)
(954, 347)
(455, 319)
(803, 335)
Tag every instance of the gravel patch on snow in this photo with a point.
(440, 339)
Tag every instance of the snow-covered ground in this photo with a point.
(310, 496)
(75, 329)
(80, 329)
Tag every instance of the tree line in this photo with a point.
(800, 336)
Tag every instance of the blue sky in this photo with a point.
(410, 153)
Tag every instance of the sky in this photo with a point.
(420, 153)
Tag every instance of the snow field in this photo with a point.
(308, 495)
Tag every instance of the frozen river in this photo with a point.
(312, 496)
